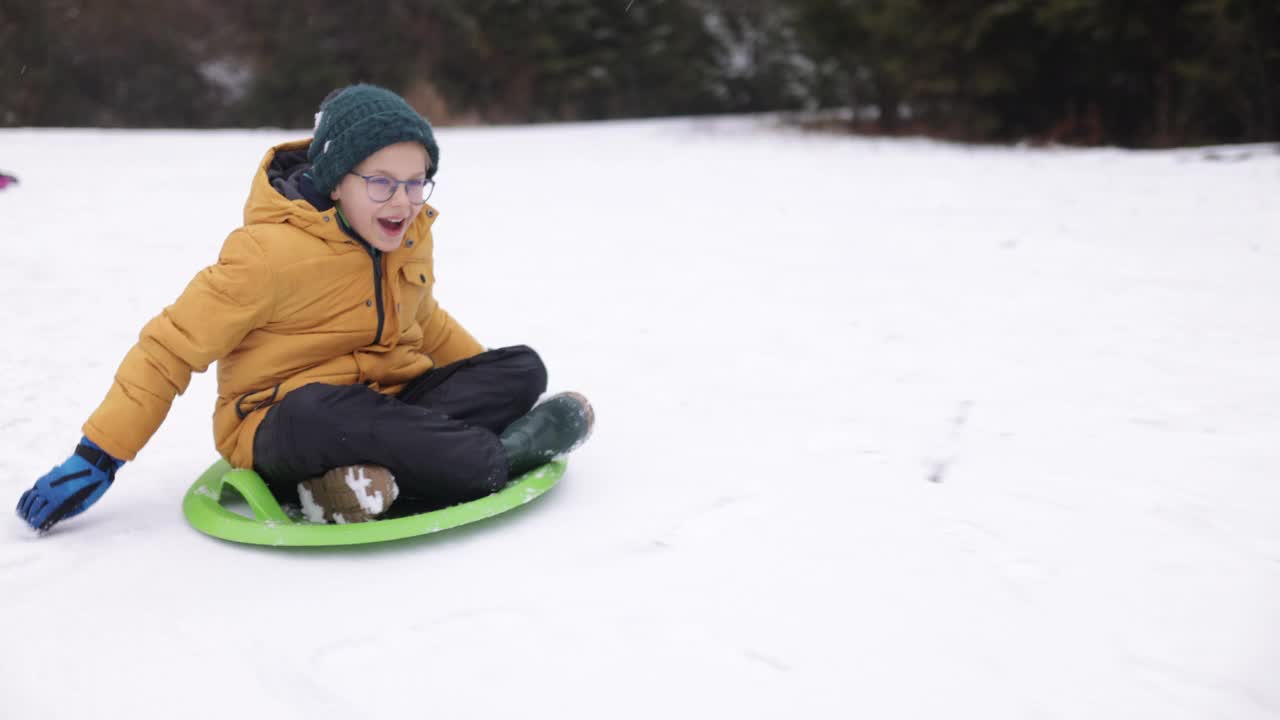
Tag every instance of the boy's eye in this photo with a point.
(380, 182)
(414, 185)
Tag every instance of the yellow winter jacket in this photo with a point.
(293, 299)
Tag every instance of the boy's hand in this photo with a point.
(70, 488)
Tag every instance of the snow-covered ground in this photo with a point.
(887, 429)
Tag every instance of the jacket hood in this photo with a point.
(274, 196)
(285, 173)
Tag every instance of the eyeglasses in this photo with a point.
(382, 188)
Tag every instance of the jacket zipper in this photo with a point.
(377, 291)
(376, 256)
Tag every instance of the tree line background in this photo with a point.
(1130, 72)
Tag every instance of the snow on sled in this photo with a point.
(271, 525)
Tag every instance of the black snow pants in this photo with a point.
(438, 436)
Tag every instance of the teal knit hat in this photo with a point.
(357, 121)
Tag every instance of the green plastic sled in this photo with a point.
(203, 508)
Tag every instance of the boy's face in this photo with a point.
(383, 224)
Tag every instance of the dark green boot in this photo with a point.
(556, 426)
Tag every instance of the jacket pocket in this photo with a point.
(418, 273)
(256, 400)
(415, 289)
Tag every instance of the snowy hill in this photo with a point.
(887, 429)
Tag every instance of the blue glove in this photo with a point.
(70, 488)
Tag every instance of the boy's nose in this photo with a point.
(400, 196)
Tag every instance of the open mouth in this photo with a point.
(391, 227)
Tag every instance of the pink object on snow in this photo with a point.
(7, 180)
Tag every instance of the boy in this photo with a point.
(340, 377)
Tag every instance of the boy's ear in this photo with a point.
(335, 195)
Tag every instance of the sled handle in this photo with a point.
(250, 486)
(205, 495)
